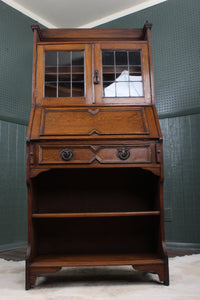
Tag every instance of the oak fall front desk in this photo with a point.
(95, 162)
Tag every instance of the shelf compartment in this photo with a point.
(96, 260)
(109, 191)
(96, 215)
(96, 235)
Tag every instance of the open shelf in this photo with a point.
(120, 192)
(94, 215)
(111, 235)
(53, 260)
(64, 70)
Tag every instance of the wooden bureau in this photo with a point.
(95, 160)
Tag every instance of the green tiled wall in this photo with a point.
(15, 65)
(15, 103)
(176, 62)
(175, 51)
(13, 206)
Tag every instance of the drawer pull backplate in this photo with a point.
(123, 153)
(66, 154)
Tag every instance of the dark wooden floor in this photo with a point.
(20, 254)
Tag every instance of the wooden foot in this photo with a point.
(160, 269)
(30, 278)
(166, 275)
(32, 273)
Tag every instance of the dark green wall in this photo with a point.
(15, 104)
(176, 63)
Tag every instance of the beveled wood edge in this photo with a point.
(36, 171)
(60, 260)
(159, 269)
(95, 214)
(36, 27)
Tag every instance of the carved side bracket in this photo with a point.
(32, 273)
(159, 269)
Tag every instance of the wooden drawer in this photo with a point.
(88, 154)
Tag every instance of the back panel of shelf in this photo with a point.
(92, 190)
(97, 235)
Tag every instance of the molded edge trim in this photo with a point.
(188, 246)
(170, 245)
(179, 113)
(13, 246)
(15, 120)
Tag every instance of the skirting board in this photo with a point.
(170, 245)
(188, 246)
(13, 246)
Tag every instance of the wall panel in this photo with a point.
(176, 63)
(13, 204)
(15, 103)
(182, 173)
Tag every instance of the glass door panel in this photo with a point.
(124, 74)
(64, 74)
(65, 71)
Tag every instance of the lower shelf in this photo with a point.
(96, 214)
(95, 260)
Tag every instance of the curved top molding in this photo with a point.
(48, 35)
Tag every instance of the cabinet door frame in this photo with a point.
(40, 79)
(143, 47)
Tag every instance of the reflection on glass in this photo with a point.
(121, 58)
(77, 58)
(64, 89)
(122, 75)
(108, 58)
(134, 58)
(77, 89)
(51, 59)
(64, 74)
(108, 73)
(50, 89)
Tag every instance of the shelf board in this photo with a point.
(94, 215)
(65, 72)
(68, 260)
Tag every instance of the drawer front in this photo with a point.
(127, 154)
(88, 154)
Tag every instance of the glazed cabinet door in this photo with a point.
(121, 71)
(64, 74)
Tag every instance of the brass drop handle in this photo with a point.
(123, 153)
(96, 77)
(66, 154)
